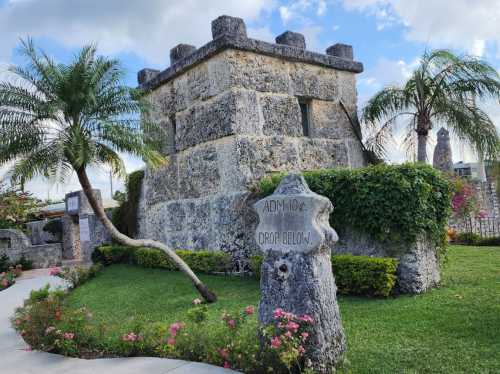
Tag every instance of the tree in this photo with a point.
(68, 117)
(442, 90)
(16, 207)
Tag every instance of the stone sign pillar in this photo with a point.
(296, 276)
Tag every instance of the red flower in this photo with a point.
(275, 342)
(249, 310)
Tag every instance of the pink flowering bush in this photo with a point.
(8, 278)
(76, 276)
(464, 202)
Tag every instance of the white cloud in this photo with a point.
(296, 10)
(149, 28)
(460, 24)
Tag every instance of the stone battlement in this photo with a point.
(290, 46)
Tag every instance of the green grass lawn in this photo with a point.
(453, 329)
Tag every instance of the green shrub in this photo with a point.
(255, 264)
(25, 263)
(391, 203)
(4, 263)
(355, 275)
(54, 227)
(76, 276)
(363, 275)
(114, 254)
(200, 261)
(489, 242)
(467, 238)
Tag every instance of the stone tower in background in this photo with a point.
(442, 153)
(235, 110)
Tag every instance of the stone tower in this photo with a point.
(442, 153)
(237, 109)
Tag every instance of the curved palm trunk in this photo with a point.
(125, 240)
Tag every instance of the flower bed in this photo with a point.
(232, 340)
(8, 278)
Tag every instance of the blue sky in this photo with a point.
(388, 36)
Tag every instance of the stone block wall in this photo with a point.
(19, 245)
(231, 113)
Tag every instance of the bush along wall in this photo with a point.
(199, 261)
(397, 211)
(356, 275)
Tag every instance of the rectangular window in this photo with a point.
(172, 133)
(305, 106)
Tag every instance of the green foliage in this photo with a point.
(125, 216)
(54, 227)
(393, 204)
(78, 275)
(467, 238)
(488, 242)
(16, 206)
(363, 275)
(39, 295)
(199, 261)
(8, 278)
(355, 275)
(255, 263)
(4, 262)
(23, 263)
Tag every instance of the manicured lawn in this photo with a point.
(454, 329)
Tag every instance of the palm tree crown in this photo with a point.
(68, 117)
(442, 90)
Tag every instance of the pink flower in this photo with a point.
(68, 335)
(5, 282)
(171, 341)
(301, 350)
(275, 342)
(288, 334)
(130, 337)
(231, 323)
(28, 348)
(18, 322)
(49, 329)
(278, 313)
(249, 310)
(306, 318)
(197, 301)
(224, 353)
(292, 326)
(175, 327)
(304, 335)
(54, 271)
(226, 365)
(482, 214)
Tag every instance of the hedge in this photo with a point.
(199, 261)
(356, 275)
(390, 203)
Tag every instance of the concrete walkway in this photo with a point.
(14, 359)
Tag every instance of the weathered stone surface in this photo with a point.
(79, 201)
(233, 112)
(442, 152)
(293, 39)
(281, 115)
(340, 50)
(15, 244)
(38, 236)
(226, 25)
(199, 172)
(280, 51)
(313, 82)
(329, 121)
(145, 75)
(418, 268)
(296, 275)
(180, 51)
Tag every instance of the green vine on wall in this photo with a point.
(390, 203)
(125, 216)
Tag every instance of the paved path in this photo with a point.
(15, 360)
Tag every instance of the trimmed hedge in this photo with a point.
(363, 275)
(200, 261)
(391, 203)
(356, 275)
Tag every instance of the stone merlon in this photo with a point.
(180, 51)
(293, 39)
(230, 33)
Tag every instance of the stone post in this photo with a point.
(295, 237)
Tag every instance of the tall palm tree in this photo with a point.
(442, 90)
(64, 118)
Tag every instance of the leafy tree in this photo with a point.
(16, 207)
(69, 117)
(442, 90)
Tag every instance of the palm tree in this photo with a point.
(66, 118)
(442, 90)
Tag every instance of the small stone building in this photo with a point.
(237, 109)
